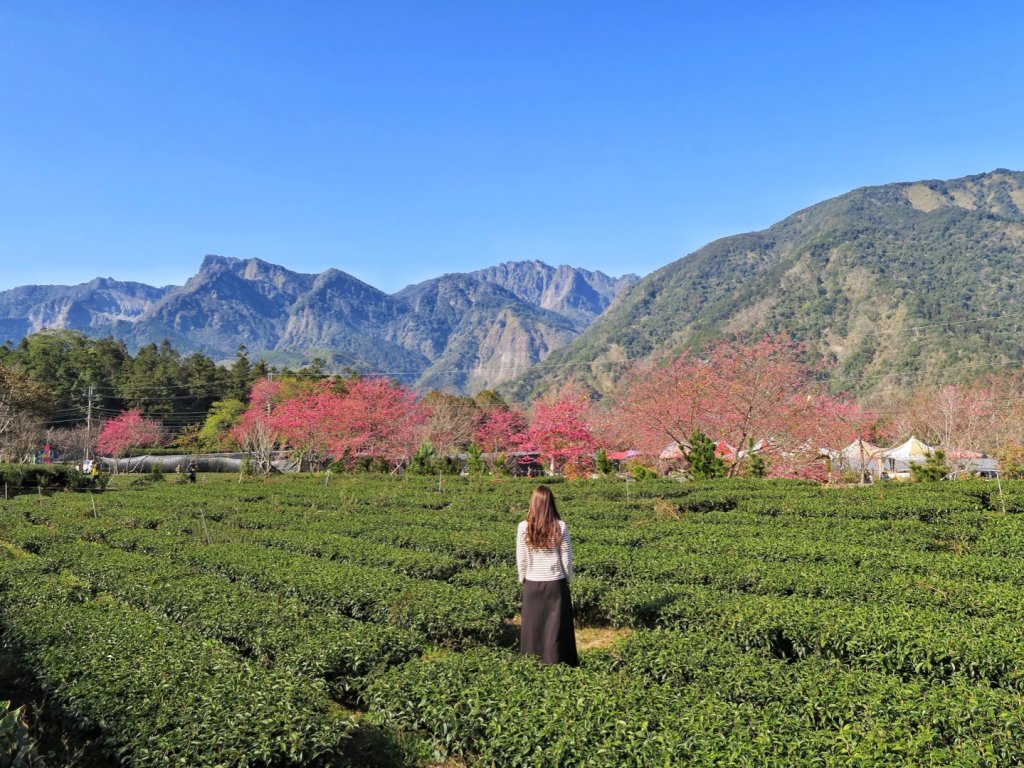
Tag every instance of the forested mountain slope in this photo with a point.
(888, 286)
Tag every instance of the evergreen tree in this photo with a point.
(703, 461)
(933, 468)
(474, 463)
(423, 460)
(68, 364)
(756, 464)
(241, 375)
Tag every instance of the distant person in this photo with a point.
(193, 468)
(544, 560)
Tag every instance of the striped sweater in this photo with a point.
(543, 563)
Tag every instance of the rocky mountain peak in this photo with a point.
(458, 331)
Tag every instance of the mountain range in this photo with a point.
(461, 332)
(886, 287)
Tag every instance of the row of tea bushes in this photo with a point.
(155, 693)
(676, 699)
(443, 613)
(795, 625)
(267, 628)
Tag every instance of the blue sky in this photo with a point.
(400, 141)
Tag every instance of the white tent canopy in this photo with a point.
(912, 450)
(861, 452)
(672, 451)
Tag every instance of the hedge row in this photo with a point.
(443, 613)
(157, 694)
(28, 478)
(672, 699)
(265, 627)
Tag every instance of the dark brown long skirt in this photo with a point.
(546, 630)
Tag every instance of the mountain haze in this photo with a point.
(887, 286)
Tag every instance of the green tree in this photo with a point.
(756, 464)
(704, 463)
(317, 368)
(241, 375)
(71, 366)
(933, 468)
(201, 383)
(488, 398)
(151, 383)
(423, 460)
(215, 433)
(475, 464)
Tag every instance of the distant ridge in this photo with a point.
(887, 286)
(461, 332)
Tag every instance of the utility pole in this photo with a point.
(88, 423)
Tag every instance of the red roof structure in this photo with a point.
(622, 455)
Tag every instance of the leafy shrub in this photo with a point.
(17, 750)
(162, 695)
(21, 478)
(641, 471)
(475, 464)
(423, 460)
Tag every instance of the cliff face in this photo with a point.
(475, 333)
(91, 307)
(578, 294)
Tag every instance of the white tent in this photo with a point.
(859, 453)
(899, 459)
(911, 451)
(671, 452)
(859, 456)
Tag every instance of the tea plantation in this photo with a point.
(371, 621)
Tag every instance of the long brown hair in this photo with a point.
(542, 528)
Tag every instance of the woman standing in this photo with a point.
(544, 559)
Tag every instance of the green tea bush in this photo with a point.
(160, 695)
(27, 478)
(750, 621)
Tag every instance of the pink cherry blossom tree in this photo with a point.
(560, 433)
(307, 422)
(126, 431)
(255, 432)
(499, 428)
(759, 395)
(376, 417)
